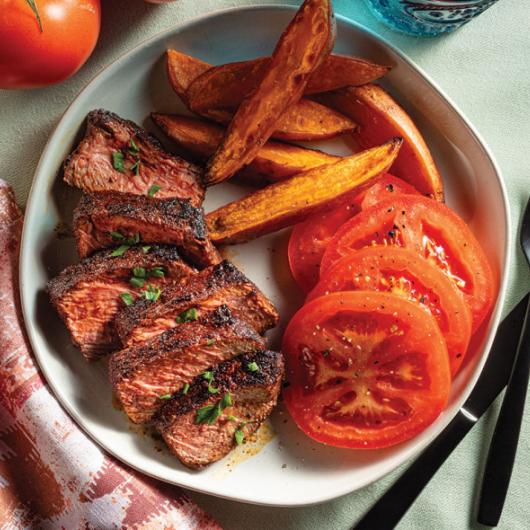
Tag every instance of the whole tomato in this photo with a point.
(45, 41)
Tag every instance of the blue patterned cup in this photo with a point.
(427, 18)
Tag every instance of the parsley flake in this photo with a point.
(139, 272)
(210, 342)
(136, 167)
(120, 251)
(133, 147)
(185, 388)
(165, 396)
(209, 413)
(152, 293)
(188, 316)
(137, 282)
(153, 190)
(146, 248)
(208, 375)
(239, 436)
(117, 235)
(253, 366)
(226, 400)
(127, 298)
(117, 161)
(157, 272)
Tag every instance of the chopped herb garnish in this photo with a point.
(152, 293)
(239, 436)
(139, 272)
(133, 240)
(253, 366)
(136, 167)
(137, 282)
(127, 298)
(208, 375)
(117, 161)
(120, 251)
(213, 390)
(210, 342)
(231, 417)
(157, 272)
(188, 316)
(133, 148)
(165, 396)
(116, 235)
(146, 248)
(185, 388)
(153, 190)
(226, 400)
(210, 413)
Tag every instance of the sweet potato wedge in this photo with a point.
(380, 118)
(182, 69)
(305, 120)
(275, 160)
(306, 41)
(225, 86)
(291, 201)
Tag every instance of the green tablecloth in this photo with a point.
(485, 68)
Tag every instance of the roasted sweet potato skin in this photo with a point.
(380, 117)
(307, 40)
(182, 70)
(275, 160)
(304, 121)
(225, 86)
(291, 201)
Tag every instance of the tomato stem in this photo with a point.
(35, 10)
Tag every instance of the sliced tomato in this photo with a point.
(404, 273)
(432, 230)
(310, 238)
(366, 369)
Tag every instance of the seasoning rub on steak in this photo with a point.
(88, 295)
(111, 219)
(143, 375)
(200, 427)
(117, 155)
(212, 287)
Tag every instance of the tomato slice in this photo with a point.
(366, 369)
(404, 273)
(432, 230)
(310, 238)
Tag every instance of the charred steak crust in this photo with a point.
(102, 263)
(107, 132)
(228, 376)
(195, 291)
(170, 221)
(124, 362)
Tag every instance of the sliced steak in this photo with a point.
(140, 375)
(117, 155)
(100, 217)
(216, 285)
(88, 295)
(198, 435)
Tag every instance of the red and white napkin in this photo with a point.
(51, 474)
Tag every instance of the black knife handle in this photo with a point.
(393, 505)
(503, 447)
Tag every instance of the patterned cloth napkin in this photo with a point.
(51, 474)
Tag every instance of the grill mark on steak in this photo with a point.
(254, 395)
(87, 295)
(142, 373)
(212, 287)
(169, 221)
(90, 166)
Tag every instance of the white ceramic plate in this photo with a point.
(291, 469)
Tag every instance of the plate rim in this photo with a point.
(25, 252)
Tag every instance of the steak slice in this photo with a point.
(212, 287)
(117, 155)
(138, 218)
(198, 438)
(140, 375)
(87, 295)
